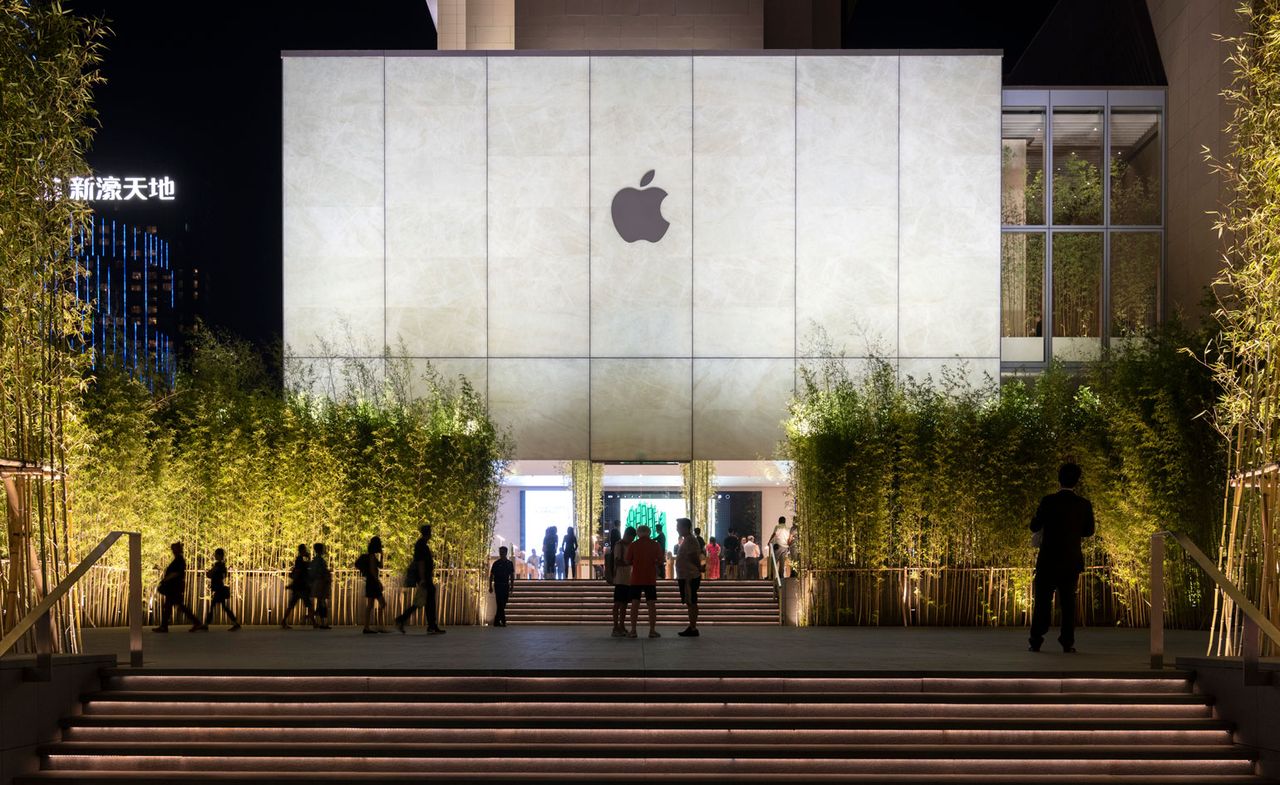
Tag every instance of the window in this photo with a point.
(1135, 167)
(1135, 284)
(1082, 216)
(1022, 297)
(1077, 296)
(1077, 167)
(1022, 167)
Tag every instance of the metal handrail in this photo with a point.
(778, 585)
(1254, 621)
(39, 615)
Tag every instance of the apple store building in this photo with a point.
(631, 254)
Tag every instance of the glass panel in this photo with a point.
(1077, 295)
(1135, 283)
(1022, 167)
(1135, 167)
(1022, 297)
(1077, 166)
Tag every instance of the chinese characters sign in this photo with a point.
(122, 189)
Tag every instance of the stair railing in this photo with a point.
(39, 617)
(1254, 621)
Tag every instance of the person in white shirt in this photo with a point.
(751, 553)
(689, 573)
(779, 541)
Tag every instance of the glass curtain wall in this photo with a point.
(1082, 208)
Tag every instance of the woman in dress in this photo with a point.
(713, 560)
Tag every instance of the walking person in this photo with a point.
(621, 579)
(1062, 520)
(732, 556)
(549, 554)
(570, 548)
(321, 579)
(219, 591)
(173, 590)
(778, 542)
(644, 555)
(713, 560)
(299, 588)
(689, 573)
(369, 565)
(502, 580)
(422, 576)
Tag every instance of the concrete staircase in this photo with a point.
(262, 727)
(590, 602)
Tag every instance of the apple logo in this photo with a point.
(637, 212)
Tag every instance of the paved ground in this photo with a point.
(772, 649)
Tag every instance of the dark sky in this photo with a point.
(193, 91)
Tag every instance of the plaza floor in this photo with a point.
(730, 649)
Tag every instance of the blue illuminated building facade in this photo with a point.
(129, 283)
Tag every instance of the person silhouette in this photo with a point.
(502, 579)
(423, 573)
(321, 579)
(219, 591)
(549, 553)
(299, 588)
(570, 548)
(173, 589)
(1062, 519)
(369, 565)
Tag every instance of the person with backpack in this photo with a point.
(299, 588)
(621, 578)
(173, 589)
(321, 579)
(219, 591)
(369, 565)
(422, 576)
(502, 580)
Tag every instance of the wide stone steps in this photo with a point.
(261, 726)
(576, 602)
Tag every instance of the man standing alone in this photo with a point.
(689, 573)
(1062, 520)
(423, 571)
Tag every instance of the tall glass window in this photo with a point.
(1077, 167)
(1135, 167)
(1135, 284)
(1022, 167)
(1077, 296)
(1022, 297)
(1082, 209)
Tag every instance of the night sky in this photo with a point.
(193, 92)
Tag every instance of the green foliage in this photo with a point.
(1243, 358)
(229, 460)
(891, 472)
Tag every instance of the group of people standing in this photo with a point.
(632, 565)
(559, 556)
(311, 586)
(741, 557)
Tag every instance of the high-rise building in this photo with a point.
(129, 280)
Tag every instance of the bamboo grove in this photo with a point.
(48, 69)
(911, 475)
(229, 460)
(1244, 358)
